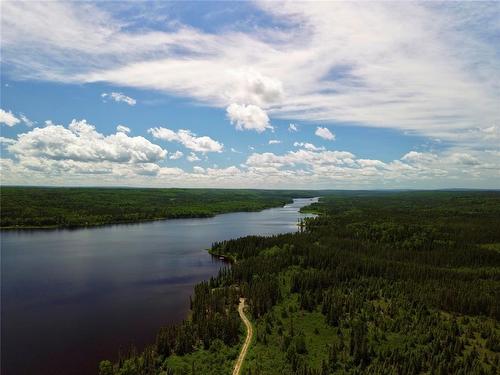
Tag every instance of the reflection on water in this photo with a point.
(73, 297)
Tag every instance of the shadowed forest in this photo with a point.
(379, 283)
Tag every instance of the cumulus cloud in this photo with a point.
(188, 139)
(274, 142)
(308, 146)
(324, 133)
(327, 61)
(248, 117)
(247, 85)
(294, 158)
(123, 129)
(176, 155)
(119, 97)
(8, 118)
(293, 128)
(339, 167)
(7, 141)
(80, 142)
(301, 169)
(419, 157)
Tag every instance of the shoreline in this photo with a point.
(201, 216)
(229, 258)
(97, 225)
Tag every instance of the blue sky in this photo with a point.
(379, 95)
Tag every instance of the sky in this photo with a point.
(298, 95)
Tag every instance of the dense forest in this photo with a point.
(35, 207)
(379, 283)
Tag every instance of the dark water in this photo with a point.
(73, 297)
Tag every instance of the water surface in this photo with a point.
(73, 297)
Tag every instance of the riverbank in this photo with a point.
(118, 274)
(336, 296)
(218, 250)
(51, 208)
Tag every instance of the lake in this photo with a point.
(73, 297)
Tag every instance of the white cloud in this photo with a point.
(419, 157)
(123, 129)
(308, 146)
(192, 157)
(491, 132)
(294, 158)
(274, 142)
(301, 169)
(292, 128)
(8, 118)
(464, 158)
(250, 86)
(324, 133)
(176, 155)
(188, 139)
(26, 120)
(80, 142)
(248, 117)
(119, 97)
(331, 61)
(416, 67)
(7, 141)
(371, 163)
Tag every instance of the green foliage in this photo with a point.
(380, 283)
(33, 207)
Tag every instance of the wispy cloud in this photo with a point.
(26, 120)
(421, 67)
(119, 97)
(192, 157)
(123, 129)
(176, 155)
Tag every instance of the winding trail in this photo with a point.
(248, 339)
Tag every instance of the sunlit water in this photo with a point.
(73, 297)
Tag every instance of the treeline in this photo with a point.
(34, 207)
(398, 283)
(214, 318)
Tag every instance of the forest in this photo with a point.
(378, 283)
(44, 207)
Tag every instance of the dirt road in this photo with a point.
(248, 339)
